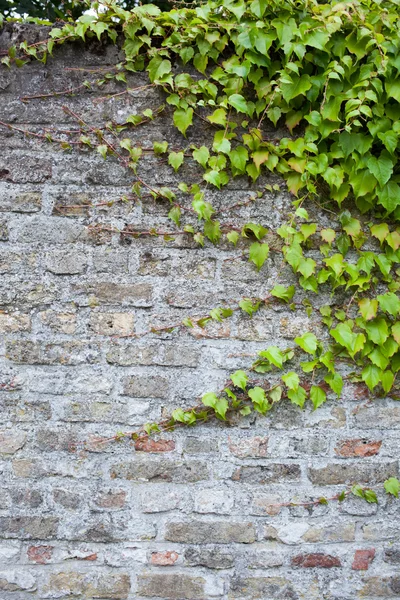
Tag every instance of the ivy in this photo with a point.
(328, 75)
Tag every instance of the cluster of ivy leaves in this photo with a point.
(329, 74)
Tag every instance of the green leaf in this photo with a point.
(371, 375)
(280, 291)
(381, 168)
(258, 254)
(220, 407)
(233, 237)
(183, 119)
(317, 396)
(276, 394)
(377, 330)
(389, 303)
(273, 355)
(239, 379)
(257, 230)
(308, 342)
(298, 396)
(368, 308)
(209, 399)
(239, 157)
(160, 147)
(261, 404)
(175, 159)
(335, 382)
(248, 306)
(102, 149)
(293, 86)
(389, 197)
(370, 496)
(392, 486)
(212, 230)
(396, 331)
(158, 67)
(201, 155)
(291, 380)
(238, 102)
(218, 117)
(393, 89)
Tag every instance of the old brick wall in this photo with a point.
(190, 517)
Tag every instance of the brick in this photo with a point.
(164, 559)
(216, 532)
(140, 294)
(316, 560)
(182, 587)
(159, 500)
(262, 587)
(159, 469)
(212, 558)
(378, 530)
(152, 386)
(59, 322)
(335, 473)
(11, 323)
(30, 498)
(66, 262)
(26, 168)
(42, 353)
(380, 587)
(23, 202)
(45, 230)
(392, 555)
(15, 581)
(213, 501)
(110, 260)
(358, 448)
(4, 233)
(255, 447)
(150, 264)
(266, 505)
(264, 559)
(40, 555)
(66, 498)
(267, 474)
(111, 499)
(339, 532)
(362, 559)
(112, 323)
(385, 416)
(11, 441)
(72, 583)
(166, 355)
(25, 528)
(154, 446)
(195, 445)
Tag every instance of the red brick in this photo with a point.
(362, 559)
(322, 561)
(111, 499)
(358, 448)
(40, 554)
(163, 559)
(149, 445)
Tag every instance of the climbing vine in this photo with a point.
(328, 76)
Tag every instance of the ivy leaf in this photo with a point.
(220, 407)
(261, 404)
(183, 119)
(389, 303)
(276, 393)
(286, 294)
(160, 147)
(239, 157)
(317, 396)
(396, 331)
(175, 159)
(377, 330)
(218, 117)
(298, 396)
(209, 399)
(371, 375)
(258, 254)
(238, 102)
(368, 308)
(392, 486)
(292, 86)
(158, 67)
(233, 237)
(273, 355)
(102, 149)
(212, 230)
(370, 496)
(335, 382)
(389, 197)
(248, 306)
(307, 342)
(291, 380)
(201, 155)
(381, 168)
(239, 379)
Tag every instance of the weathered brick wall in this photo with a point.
(190, 517)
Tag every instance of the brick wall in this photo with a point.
(189, 517)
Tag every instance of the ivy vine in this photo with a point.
(329, 75)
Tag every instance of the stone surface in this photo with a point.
(196, 513)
